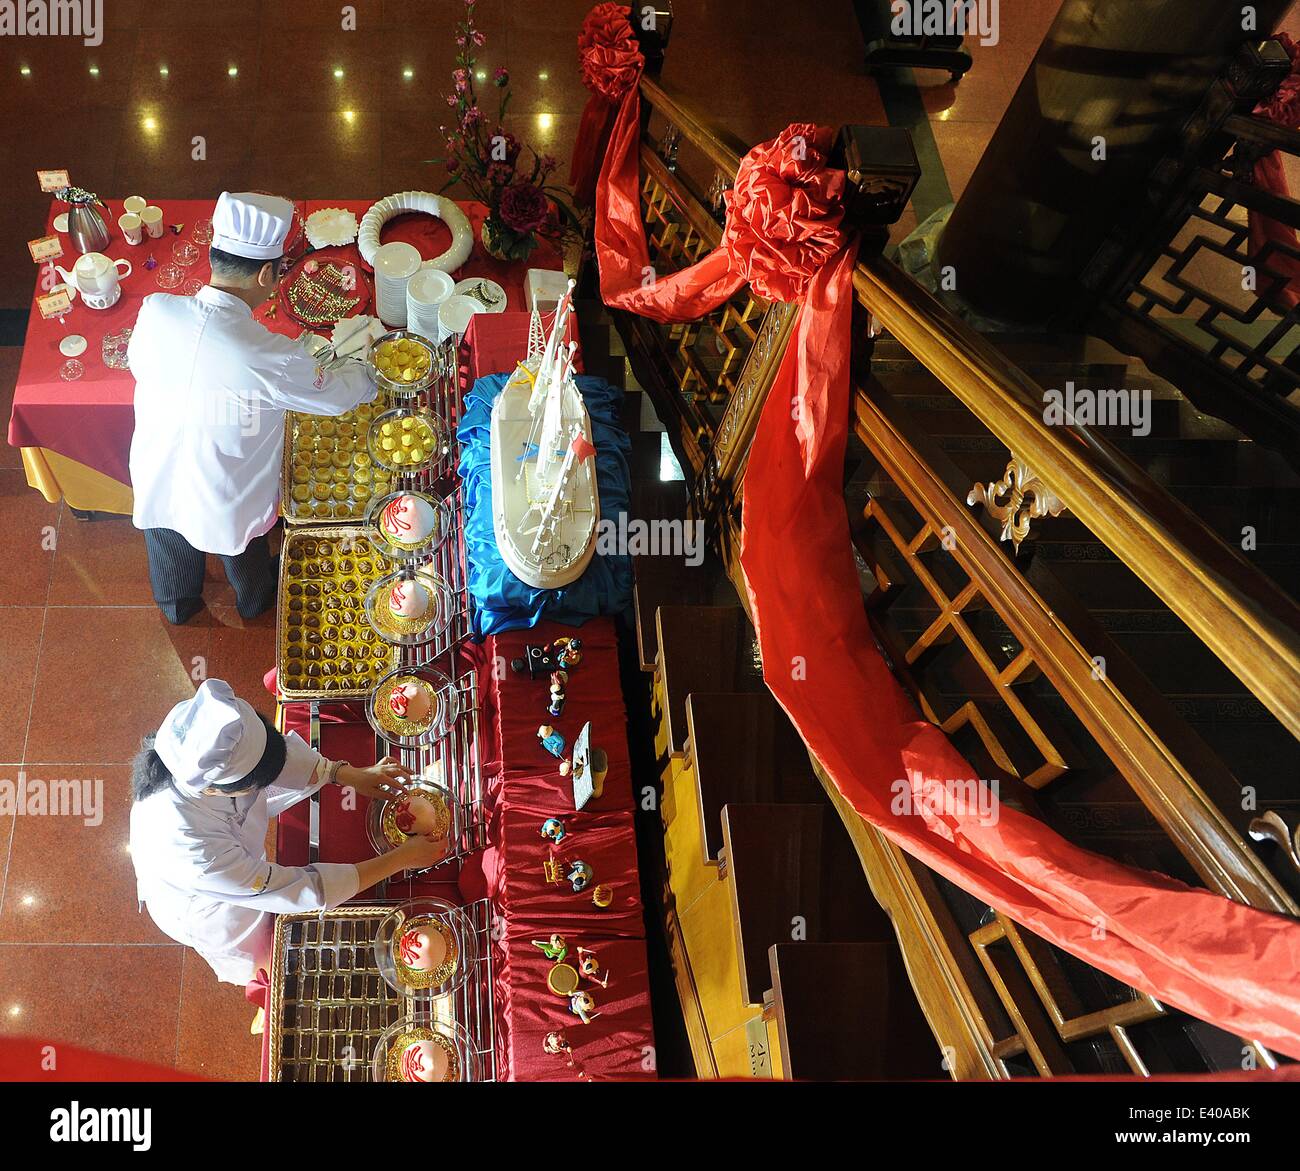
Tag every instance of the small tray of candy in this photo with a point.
(327, 648)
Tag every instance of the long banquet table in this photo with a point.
(75, 437)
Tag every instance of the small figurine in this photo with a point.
(556, 705)
(150, 262)
(603, 895)
(589, 966)
(579, 876)
(551, 740)
(553, 949)
(557, 1043)
(553, 830)
(551, 871)
(177, 229)
(589, 767)
(540, 661)
(567, 651)
(583, 1005)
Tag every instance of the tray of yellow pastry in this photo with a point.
(406, 440)
(329, 474)
(327, 648)
(403, 363)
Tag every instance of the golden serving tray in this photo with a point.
(328, 473)
(327, 648)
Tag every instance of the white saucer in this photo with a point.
(494, 296)
(72, 345)
(61, 222)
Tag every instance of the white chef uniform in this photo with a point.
(212, 387)
(200, 861)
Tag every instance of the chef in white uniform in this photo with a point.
(205, 788)
(212, 387)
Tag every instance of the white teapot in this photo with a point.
(96, 278)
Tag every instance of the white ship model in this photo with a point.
(544, 501)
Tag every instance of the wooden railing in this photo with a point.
(709, 380)
(1180, 282)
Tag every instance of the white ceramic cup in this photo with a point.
(152, 218)
(132, 228)
(134, 204)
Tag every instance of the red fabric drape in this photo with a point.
(1226, 963)
(1269, 174)
(611, 63)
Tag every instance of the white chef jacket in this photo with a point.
(212, 387)
(201, 866)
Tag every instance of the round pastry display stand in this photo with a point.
(379, 840)
(415, 1027)
(404, 389)
(440, 597)
(438, 450)
(395, 551)
(445, 696)
(417, 911)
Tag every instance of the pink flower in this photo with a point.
(524, 208)
(501, 78)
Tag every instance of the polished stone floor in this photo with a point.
(88, 664)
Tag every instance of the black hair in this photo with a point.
(149, 774)
(227, 266)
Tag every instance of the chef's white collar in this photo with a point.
(220, 299)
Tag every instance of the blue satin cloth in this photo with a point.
(500, 600)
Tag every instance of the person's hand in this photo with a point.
(419, 853)
(387, 779)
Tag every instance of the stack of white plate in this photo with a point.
(395, 264)
(425, 291)
(454, 314)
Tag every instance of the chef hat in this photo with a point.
(212, 739)
(254, 226)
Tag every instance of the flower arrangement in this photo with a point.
(524, 205)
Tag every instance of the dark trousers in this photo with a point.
(176, 576)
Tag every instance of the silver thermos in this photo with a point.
(85, 225)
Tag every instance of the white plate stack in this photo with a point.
(395, 264)
(425, 292)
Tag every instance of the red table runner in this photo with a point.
(91, 420)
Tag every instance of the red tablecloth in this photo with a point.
(495, 342)
(524, 788)
(91, 420)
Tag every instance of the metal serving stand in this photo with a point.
(329, 1004)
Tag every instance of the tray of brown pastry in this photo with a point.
(328, 473)
(327, 646)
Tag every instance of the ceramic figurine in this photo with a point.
(589, 966)
(567, 651)
(551, 740)
(583, 1005)
(558, 681)
(551, 871)
(557, 1043)
(579, 876)
(553, 829)
(603, 895)
(553, 949)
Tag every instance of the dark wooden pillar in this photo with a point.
(1103, 100)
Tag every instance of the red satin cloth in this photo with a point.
(611, 62)
(92, 419)
(1226, 963)
(524, 788)
(1280, 267)
(26, 1059)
